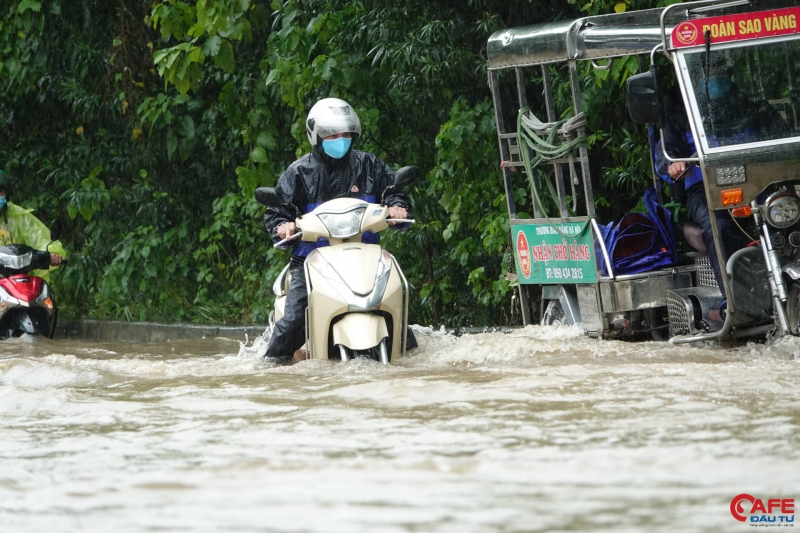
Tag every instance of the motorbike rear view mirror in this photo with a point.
(645, 103)
(407, 176)
(269, 197)
(55, 230)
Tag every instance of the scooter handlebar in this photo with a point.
(300, 233)
(288, 239)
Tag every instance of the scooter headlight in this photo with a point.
(343, 225)
(782, 209)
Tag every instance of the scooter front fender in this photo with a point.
(360, 331)
(792, 270)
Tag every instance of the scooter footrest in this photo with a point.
(688, 308)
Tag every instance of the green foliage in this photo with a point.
(146, 127)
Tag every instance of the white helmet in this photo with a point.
(330, 116)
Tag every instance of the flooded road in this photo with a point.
(537, 430)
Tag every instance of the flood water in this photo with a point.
(537, 430)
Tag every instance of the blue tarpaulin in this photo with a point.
(640, 242)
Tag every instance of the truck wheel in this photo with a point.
(553, 315)
(659, 331)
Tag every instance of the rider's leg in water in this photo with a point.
(411, 340)
(732, 237)
(289, 333)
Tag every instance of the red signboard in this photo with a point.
(736, 27)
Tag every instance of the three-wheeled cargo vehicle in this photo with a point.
(747, 150)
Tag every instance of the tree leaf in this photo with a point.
(224, 57)
(258, 155)
(186, 127)
(172, 144)
(211, 46)
(25, 5)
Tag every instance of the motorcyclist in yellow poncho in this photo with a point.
(19, 226)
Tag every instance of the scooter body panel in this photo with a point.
(348, 295)
(26, 306)
(324, 304)
(356, 263)
(24, 287)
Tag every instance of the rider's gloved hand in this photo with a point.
(55, 259)
(286, 230)
(397, 212)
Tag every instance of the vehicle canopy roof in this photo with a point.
(602, 36)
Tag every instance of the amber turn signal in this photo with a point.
(732, 197)
(741, 212)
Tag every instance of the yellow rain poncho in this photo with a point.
(19, 226)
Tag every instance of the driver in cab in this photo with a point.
(730, 117)
(332, 170)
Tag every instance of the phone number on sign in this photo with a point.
(563, 273)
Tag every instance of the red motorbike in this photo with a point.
(27, 303)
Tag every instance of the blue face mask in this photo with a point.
(718, 86)
(337, 147)
(2, 202)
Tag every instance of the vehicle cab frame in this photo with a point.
(744, 173)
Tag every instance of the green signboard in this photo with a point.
(545, 256)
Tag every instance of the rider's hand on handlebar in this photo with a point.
(55, 259)
(286, 230)
(397, 212)
(676, 169)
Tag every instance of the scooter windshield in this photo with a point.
(343, 225)
(746, 94)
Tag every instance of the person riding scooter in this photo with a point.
(19, 226)
(332, 170)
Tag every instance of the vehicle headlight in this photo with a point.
(343, 225)
(14, 261)
(384, 265)
(731, 175)
(782, 209)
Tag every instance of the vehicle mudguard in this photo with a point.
(360, 331)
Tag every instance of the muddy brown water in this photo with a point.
(537, 430)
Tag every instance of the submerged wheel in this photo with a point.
(377, 353)
(553, 315)
(793, 308)
(659, 328)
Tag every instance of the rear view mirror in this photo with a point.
(269, 197)
(55, 230)
(645, 104)
(407, 176)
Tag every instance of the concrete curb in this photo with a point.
(138, 332)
